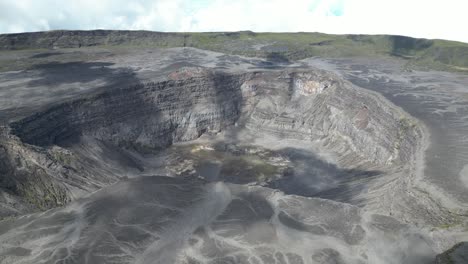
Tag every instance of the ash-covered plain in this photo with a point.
(182, 155)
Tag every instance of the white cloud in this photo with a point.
(419, 18)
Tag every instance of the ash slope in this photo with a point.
(67, 150)
(186, 220)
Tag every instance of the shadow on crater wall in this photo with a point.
(57, 73)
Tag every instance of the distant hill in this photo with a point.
(438, 54)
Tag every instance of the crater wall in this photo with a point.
(358, 126)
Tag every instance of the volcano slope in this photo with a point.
(181, 155)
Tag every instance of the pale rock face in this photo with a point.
(307, 87)
(187, 72)
(309, 84)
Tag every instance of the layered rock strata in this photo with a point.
(306, 105)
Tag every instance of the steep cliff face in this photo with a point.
(317, 106)
(28, 177)
(304, 105)
(149, 115)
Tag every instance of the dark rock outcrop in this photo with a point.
(458, 254)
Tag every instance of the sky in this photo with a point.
(443, 19)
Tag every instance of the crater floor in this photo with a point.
(188, 156)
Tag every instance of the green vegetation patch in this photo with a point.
(419, 53)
